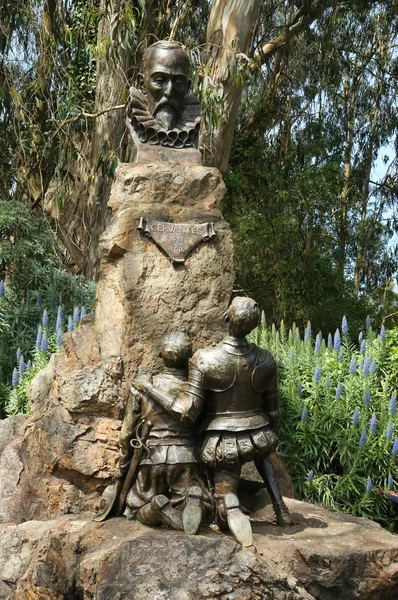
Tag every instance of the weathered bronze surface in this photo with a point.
(163, 113)
(164, 484)
(177, 239)
(237, 382)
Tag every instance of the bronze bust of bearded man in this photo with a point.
(163, 113)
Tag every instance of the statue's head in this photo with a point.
(176, 350)
(243, 316)
(165, 67)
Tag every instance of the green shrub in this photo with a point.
(339, 428)
(33, 279)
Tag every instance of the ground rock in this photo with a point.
(9, 429)
(332, 555)
(324, 555)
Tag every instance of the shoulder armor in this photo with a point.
(217, 366)
(264, 370)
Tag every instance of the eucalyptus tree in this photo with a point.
(65, 69)
(312, 220)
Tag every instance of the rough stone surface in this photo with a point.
(59, 460)
(324, 555)
(141, 293)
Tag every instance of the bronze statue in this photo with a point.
(163, 113)
(168, 487)
(238, 382)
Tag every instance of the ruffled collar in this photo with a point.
(144, 127)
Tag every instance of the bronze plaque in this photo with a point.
(177, 239)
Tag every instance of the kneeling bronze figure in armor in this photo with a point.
(238, 382)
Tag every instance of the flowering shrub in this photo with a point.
(48, 340)
(34, 280)
(339, 427)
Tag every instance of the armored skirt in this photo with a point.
(228, 450)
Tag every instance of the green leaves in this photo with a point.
(319, 434)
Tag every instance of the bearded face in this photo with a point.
(166, 83)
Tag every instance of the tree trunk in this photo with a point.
(229, 31)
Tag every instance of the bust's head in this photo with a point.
(165, 67)
(176, 350)
(243, 316)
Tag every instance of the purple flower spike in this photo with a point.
(344, 326)
(369, 485)
(317, 374)
(368, 322)
(363, 347)
(366, 366)
(304, 414)
(390, 431)
(2, 289)
(44, 343)
(362, 440)
(390, 482)
(310, 476)
(337, 341)
(22, 365)
(76, 315)
(70, 323)
(393, 404)
(383, 334)
(360, 337)
(318, 344)
(366, 398)
(38, 337)
(15, 378)
(372, 364)
(373, 423)
(341, 355)
(59, 337)
(44, 318)
(59, 319)
(353, 365)
(18, 354)
(339, 391)
(292, 356)
(299, 389)
(330, 341)
(356, 416)
(29, 365)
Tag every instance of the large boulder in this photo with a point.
(323, 556)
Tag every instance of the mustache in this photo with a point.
(167, 102)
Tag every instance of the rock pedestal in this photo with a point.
(67, 451)
(141, 293)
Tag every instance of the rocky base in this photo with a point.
(324, 556)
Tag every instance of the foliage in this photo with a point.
(312, 210)
(36, 279)
(339, 427)
(48, 341)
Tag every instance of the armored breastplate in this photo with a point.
(236, 377)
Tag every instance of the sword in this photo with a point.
(118, 500)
